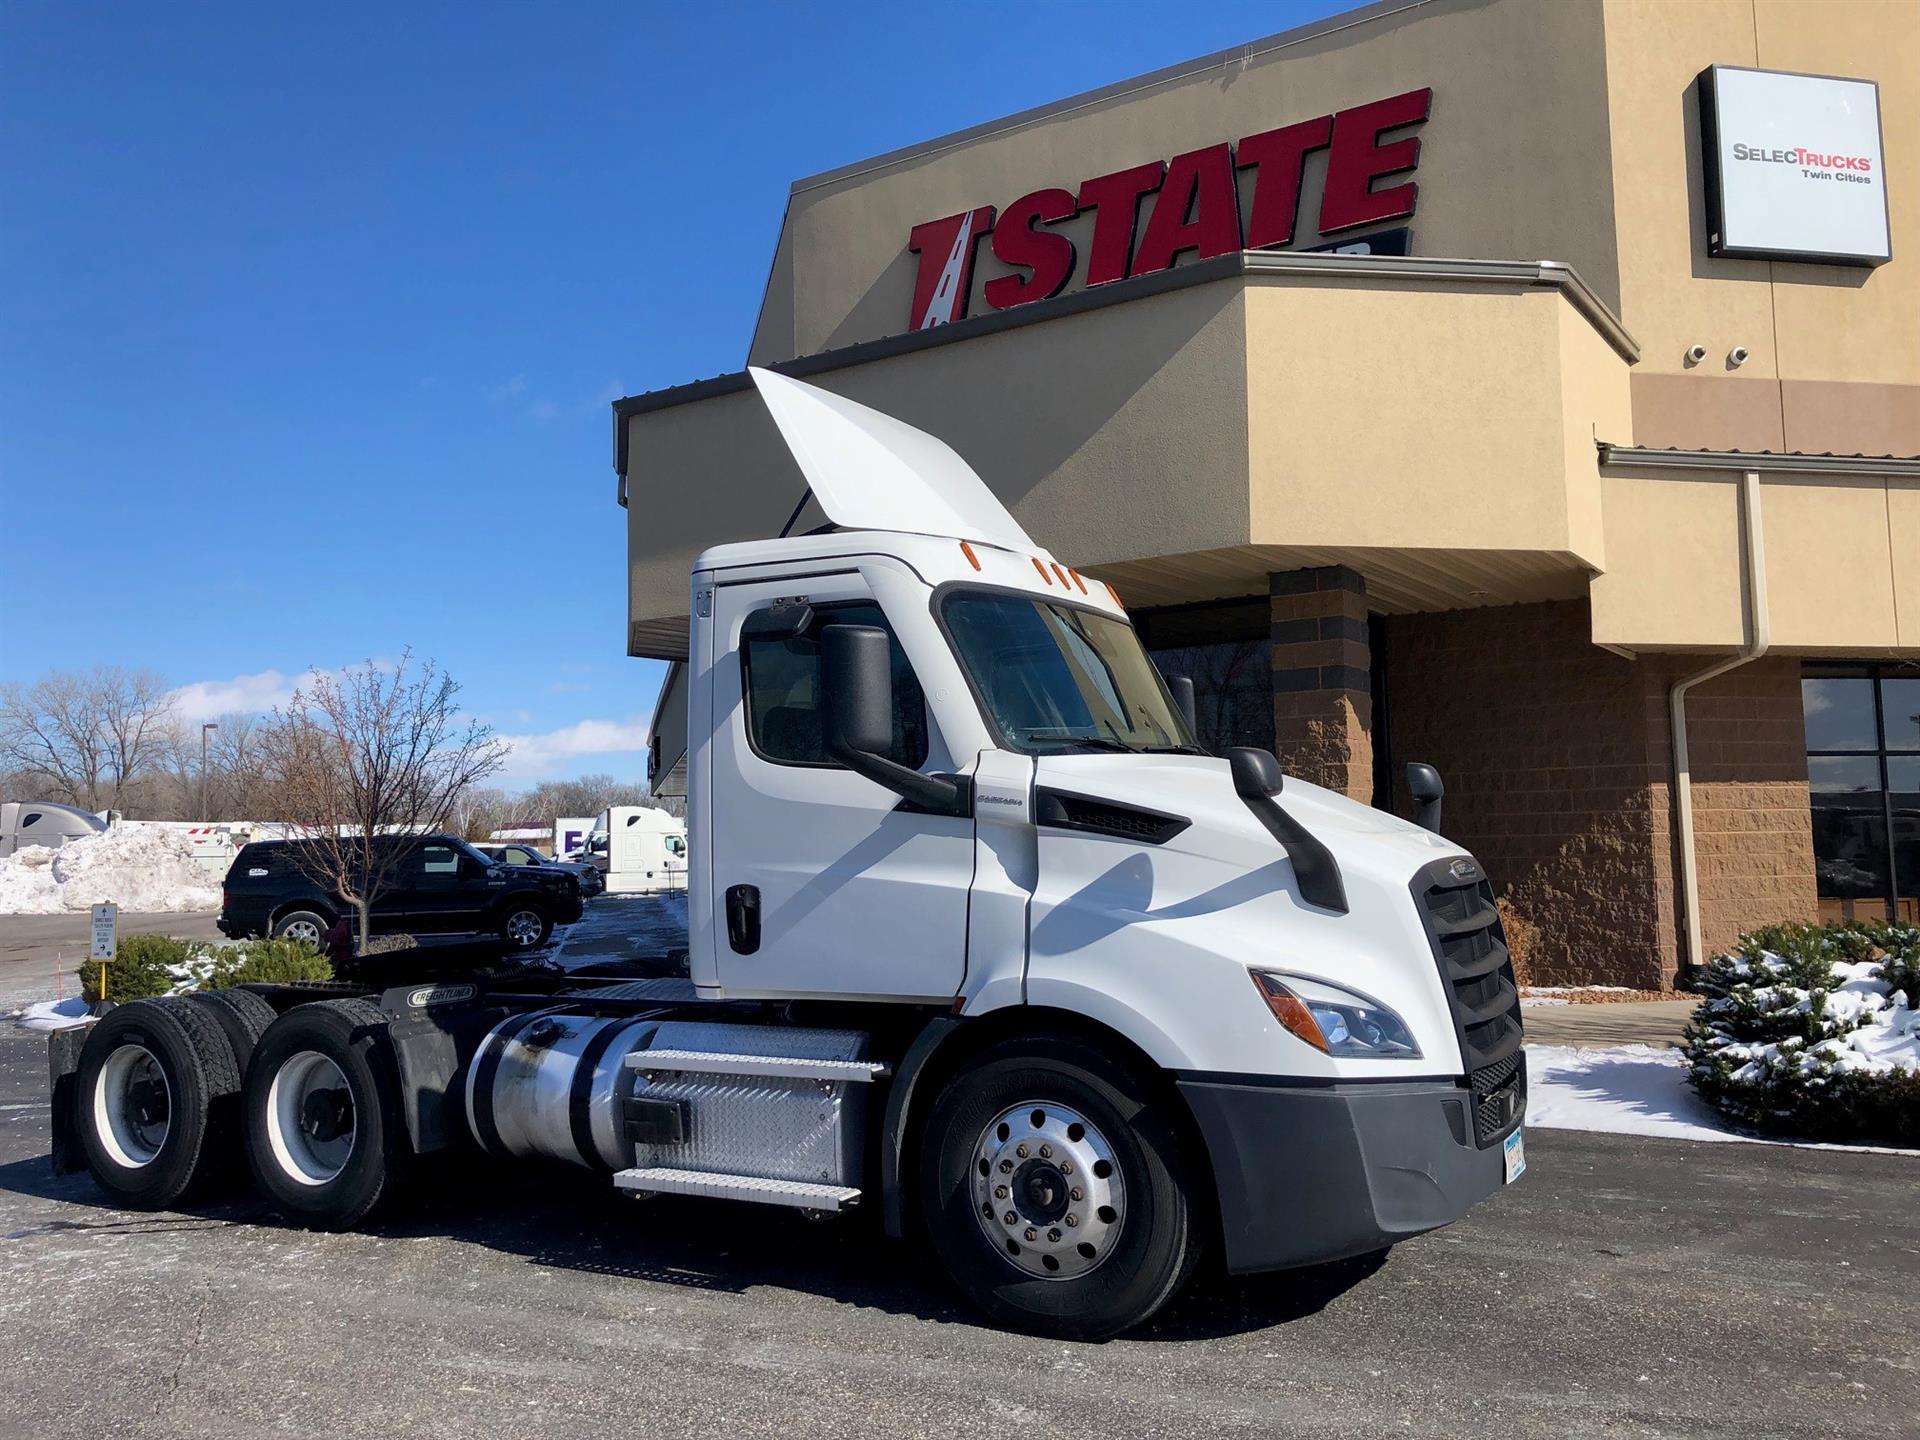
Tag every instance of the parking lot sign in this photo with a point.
(105, 921)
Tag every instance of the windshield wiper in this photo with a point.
(1174, 750)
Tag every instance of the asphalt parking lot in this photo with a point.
(1625, 1286)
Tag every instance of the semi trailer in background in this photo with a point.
(978, 936)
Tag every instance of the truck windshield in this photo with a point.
(1061, 677)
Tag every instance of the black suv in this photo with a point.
(441, 884)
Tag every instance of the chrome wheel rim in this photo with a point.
(302, 930)
(310, 1119)
(133, 1107)
(523, 928)
(1047, 1190)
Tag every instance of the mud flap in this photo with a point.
(63, 1060)
(434, 1030)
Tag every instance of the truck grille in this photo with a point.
(1456, 903)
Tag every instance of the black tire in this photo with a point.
(525, 925)
(326, 1168)
(243, 1017)
(1156, 1244)
(299, 923)
(153, 1145)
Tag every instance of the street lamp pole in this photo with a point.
(208, 725)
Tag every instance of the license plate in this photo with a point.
(1515, 1150)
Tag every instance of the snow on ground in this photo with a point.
(133, 867)
(622, 927)
(66, 1014)
(1631, 1090)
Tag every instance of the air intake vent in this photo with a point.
(1063, 811)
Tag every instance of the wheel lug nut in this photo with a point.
(1054, 1235)
(1073, 1219)
(1012, 1219)
(999, 1192)
(1076, 1193)
(1046, 1152)
(1032, 1234)
(1066, 1167)
(1021, 1151)
(1006, 1167)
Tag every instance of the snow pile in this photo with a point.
(1620, 1090)
(68, 1014)
(1624, 1090)
(1812, 1031)
(136, 868)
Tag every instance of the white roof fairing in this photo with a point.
(869, 471)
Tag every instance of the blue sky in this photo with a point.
(312, 314)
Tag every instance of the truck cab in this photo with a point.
(977, 934)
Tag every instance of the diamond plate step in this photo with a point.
(783, 1067)
(668, 987)
(663, 1180)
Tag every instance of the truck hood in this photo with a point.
(1117, 921)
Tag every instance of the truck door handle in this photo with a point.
(743, 918)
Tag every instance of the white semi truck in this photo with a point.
(639, 850)
(979, 938)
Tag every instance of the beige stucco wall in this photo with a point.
(1427, 416)
(1841, 553)
(1513, 161)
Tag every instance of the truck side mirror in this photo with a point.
(856, 691)
(1256, 774)
(1181, 687)
(1425, 786)
(856, 717)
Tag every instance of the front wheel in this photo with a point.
(1055, 1197)
(525, 927)
(306, 926)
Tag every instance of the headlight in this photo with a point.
(1336, 1021)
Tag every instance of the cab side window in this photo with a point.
(781, 680)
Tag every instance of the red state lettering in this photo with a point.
(1197, 209)
(1357, 159)
(1115, 202)
(1278, 158)
(1046, 255)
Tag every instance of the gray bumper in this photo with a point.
(1306, 1175)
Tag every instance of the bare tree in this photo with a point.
(89, 738)
(366, 753)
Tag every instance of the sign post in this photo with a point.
(105, 943)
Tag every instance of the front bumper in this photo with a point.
(1310, 1174)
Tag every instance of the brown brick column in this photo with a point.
(1322, 682)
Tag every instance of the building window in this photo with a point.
(1226, 649)
(1863, 768)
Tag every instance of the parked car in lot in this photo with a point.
(517, 853)
(441, 884)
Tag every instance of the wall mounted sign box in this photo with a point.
(1793, 166)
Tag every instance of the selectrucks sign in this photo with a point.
(1793, 167)
(1196, 208)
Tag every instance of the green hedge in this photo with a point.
(1775, 1043)
(147, 965)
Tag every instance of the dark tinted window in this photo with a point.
(1863, 768)
(782, 683)
(30, 819)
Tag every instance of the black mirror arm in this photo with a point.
(1313, 864)
(934, 793)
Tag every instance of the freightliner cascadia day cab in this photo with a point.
(978, 936)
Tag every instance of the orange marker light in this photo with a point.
(967, 550)
(1077, 580)
(1065, 584)
(1042, 569)
(1116, 596)
(1289, 1010)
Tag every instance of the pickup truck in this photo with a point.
(440, 884)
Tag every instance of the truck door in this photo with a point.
(822, 883)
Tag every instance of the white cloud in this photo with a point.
(536, 757)
(242, 695)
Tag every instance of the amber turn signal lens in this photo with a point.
(967, 550)
(1290, 1010)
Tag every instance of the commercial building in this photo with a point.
(1450, 380)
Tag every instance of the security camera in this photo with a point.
(1695, 354)
(1738, 356)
